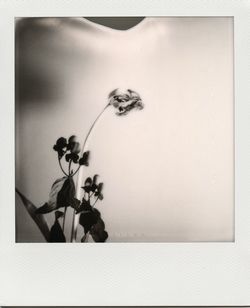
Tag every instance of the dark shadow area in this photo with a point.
(119, 23)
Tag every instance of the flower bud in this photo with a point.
(76, 148)
(61, 143)
(72, 138)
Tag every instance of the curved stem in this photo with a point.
(80, 176)
(76, 171)
(59, 160)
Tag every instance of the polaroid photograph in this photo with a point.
(125, 167)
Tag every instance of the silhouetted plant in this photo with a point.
(82, 199)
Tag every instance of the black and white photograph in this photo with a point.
(124, 129)
(124, 175)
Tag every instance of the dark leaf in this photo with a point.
(59, 214)
(60, 146)
(87, 189)
(60, 151)
(98, 191)
(61, 142)
(75, 148)
(51, 205)
(84, 206)
(68, 157)
(93, 187)
(100, 197)
(88, 182)
(56, 233)
(98, 231)
(84, 160)
(66, 196)
(46, 208)
(87, 185)
(88, 219)
(95, 178)
(74, 157)
(76, 204)
(38, 219)
(72, 138)
(62, 194)
(100, 187)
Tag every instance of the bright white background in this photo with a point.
(125, 274)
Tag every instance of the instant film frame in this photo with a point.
(126, 274)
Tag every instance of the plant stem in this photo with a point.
(59, 160)
(80, 177)
(65, 208)
(64, 216)
(95, 201)
(70, 161)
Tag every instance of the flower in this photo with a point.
(125, 101)
(91, 185)
(60, 146)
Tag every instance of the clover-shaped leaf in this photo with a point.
(84, 160)
(60, 146)
(72, 156)
(91, 185)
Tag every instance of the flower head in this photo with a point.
(60, 146)
(125, 101)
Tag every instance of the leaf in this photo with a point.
(98, 232)
(75, 148)
(98, 191)
(62, 194)
(88, 182)
(59, 214)
(66, 196)
(87, 185)
(38, 219)
(100, 196)
(60, 145)
(82, 206)
(84, 160)
(95, 178)
(76, 204)
(56, 233)
(88, 219)
(68, 157)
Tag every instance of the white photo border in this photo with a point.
(157, 274)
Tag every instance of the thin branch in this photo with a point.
(59, 160)
(64, 216)
(70, 161)
(79, 178)
(95, 201)
(76, 171)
